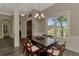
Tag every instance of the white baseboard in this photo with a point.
(73, 43)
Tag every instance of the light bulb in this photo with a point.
(37, 14)
(42, 14)
(22, 14)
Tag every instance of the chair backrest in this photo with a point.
(29, 46)
(56, 51)
(62, 44)
(62, 47)
(23, 41)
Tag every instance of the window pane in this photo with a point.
(65, 24)
(58, 24)
(51, 21)
(58, 32)
(50, 30)
(51, 26)
(65, 32)
(62, 26)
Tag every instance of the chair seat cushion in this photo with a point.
(49, 50)
(34, 48)
(56, 52)
(54, 48)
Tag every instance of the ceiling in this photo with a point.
(8, 8)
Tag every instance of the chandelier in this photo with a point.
(39, 15)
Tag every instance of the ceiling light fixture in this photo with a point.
(22, 13)
(39, 15)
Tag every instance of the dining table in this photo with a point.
(43, 43)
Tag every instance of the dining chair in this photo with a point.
(31, 49)
(23, 43)
(62, 45)
(62, 48)
(55, 51)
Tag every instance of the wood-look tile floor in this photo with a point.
(7, 47)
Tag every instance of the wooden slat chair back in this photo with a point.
(56, 50)
(31, 49)
(24, 40)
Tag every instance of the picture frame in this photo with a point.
(5, 28)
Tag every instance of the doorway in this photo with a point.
(29, 29)
(6, 28)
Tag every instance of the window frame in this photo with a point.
(66, 12)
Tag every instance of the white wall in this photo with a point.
(23, 27)
(38, 26)
(73, 43)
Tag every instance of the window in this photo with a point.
(58, 26)
(51, 26)
(62, 26)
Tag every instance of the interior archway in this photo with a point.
(6, 31)
(6, 28)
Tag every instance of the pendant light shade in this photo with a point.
(22, 13)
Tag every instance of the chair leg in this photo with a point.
(23, 49)
(27, 54)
